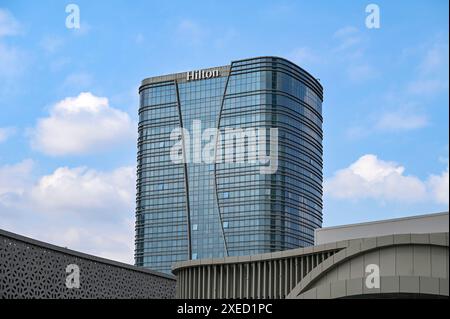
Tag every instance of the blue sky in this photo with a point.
(68, 103)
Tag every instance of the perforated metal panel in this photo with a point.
(37, 271)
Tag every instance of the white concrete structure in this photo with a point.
(421, 224)
(409, 258)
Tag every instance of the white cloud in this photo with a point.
(78, 80)
(432, 70)
(8, 24)
(348, 38)
(357, 131)
(349, 51)
(373, 178)
(304, 57)
(84, 209)
(439, 187)
(14, 180)
(12, 62)
(51, 43)
(82, 191)
(81, 124)
(10, 57)
(190, 32)
(57, 64)
(6, 132)
(435, 58)
(370, 177)
(116, 242)
(226, 38)
(195, 34)
(405, 109)
(427, 86)
(84, 28)
(401, 121)
(361, 72)
(345, 32)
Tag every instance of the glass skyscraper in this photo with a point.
(197, 209)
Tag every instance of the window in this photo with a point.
(226, 195)
(225, 224)
(194, 227)
(194, 256)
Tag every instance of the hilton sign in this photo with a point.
(202, 74)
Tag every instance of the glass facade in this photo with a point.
(227, 208)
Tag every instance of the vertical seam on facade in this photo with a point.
(186, 183)
(215, 159)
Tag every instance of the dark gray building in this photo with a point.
(34, 269)
(204, 206)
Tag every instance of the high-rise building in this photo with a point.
(200, 208)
